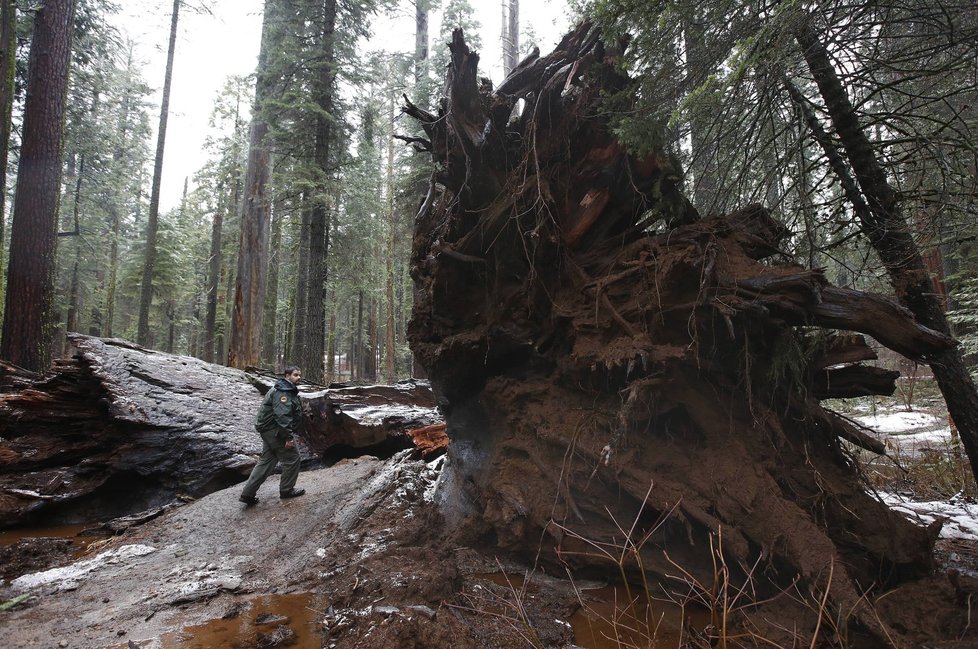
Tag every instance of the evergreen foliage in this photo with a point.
(726, 79)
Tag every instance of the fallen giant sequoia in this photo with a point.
(619, 370)
(116, 429)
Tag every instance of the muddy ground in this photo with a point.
(359, 543)
(361, 561)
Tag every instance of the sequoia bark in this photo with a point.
(27, 318)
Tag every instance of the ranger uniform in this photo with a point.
(279, 419)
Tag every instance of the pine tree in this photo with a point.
(27, 320)
(8, 65)
(152, 226)
(250, 289)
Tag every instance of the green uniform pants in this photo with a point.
(273, 452)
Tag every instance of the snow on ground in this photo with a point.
(68, 577)
(911, 445)
(961, 518)
(907, 435)
(900, 421)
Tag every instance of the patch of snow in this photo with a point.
(198, 581)
(67, 577)
(961, 518)
(898, 422)
(912, 445)
(432, 474)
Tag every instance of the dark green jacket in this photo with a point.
(280, 411)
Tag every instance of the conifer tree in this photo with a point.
(250, 289)
(27, 319)
(152, 226)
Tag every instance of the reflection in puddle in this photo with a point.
(610, 619)
(267, 620)
(73, 533)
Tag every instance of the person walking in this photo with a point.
(279, 419)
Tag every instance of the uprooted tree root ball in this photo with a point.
(632, 387)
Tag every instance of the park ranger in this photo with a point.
(279, 419)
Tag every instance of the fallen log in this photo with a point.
(364, 417)
(118, 429)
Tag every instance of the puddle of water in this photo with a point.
(610, 620)
(259, 615)
(71, 532)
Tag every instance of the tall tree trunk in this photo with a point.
(420, 40)
(290, 325)
(71, 323)
(249, 292)
(370, 354)
(315, 330)
(149, 263)
(887, 230)
(331, 347)
(27, 319)
(213, 285)
(74, 291)
(358, 345)
(314, 335)
(8, 60)
(510, 34)
(269, 348)
(301, 310)
(113, 275)
(226, 301)
(391, 353)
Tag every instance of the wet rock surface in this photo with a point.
(363, 544)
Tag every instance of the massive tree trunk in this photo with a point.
(8, 61)
(887, 230)
(314, 333)
(624, 379)
(249, 291)
(152, 225)
(27, 317)
(117, 428)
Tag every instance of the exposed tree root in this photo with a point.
(593, 338)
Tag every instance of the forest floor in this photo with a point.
(357, 562)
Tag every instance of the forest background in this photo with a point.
(289, 242)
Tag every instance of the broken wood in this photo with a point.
(432, 440)
(363, 417)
